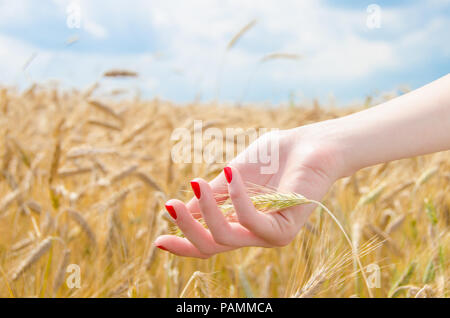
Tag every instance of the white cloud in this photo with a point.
(95, 29)
(192, 35)
(13, 10)
(13, 56)
(196, 33)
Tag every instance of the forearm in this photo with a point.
(413, 124)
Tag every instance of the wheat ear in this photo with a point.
(361, 268)
(32, 258)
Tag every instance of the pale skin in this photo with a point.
(311, 159)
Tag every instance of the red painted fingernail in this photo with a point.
(196, 187)
(171, 211)
(228, 174)
(161, 247)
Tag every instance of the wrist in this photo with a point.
(325, 147)
(337, 135)
(349, 141)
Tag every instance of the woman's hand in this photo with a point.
(306, 165)
(309, 160)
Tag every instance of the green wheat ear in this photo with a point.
(266, 202)
(269, 202)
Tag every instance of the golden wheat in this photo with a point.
(111, 162)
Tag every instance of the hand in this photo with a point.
(307, 165)
(310, 159)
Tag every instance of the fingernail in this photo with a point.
(171, 211)
(161, 247)
(196, 187)
(228, 174)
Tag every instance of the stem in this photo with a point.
(361, 268)
(191, 279)
(11, 293)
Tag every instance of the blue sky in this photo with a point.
(179, 47)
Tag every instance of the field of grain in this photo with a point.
(84, 179)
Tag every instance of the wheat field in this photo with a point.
(84, 179)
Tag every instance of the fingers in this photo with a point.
(254, 228)
(193, 230)
(261, 224)
(223, 232)
(218, 186)
(179, 246)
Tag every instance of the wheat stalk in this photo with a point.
(371, 196)
(55, 161)
(88, 92)
(104, 124)
(82, 222)
(63, 173)
(201, 283)
(330, 267)
(79, 152)
(120, 73)
(280, 56)
(22, 244)
(123, 173)
(32, 257)
(148, 180)
(59, 278)
(240, 34)
(402, 280)
(136, 131)
(395, 224)
(9, 199)
(270, 202)
(229, 46)
(105, 109)
(425, 176)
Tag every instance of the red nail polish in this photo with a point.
(161, 247)
(228, 174)
(196, 187)
(171, 211)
